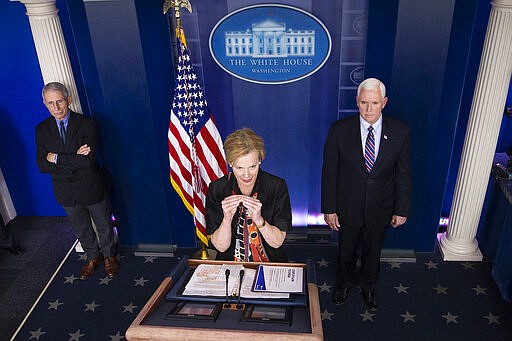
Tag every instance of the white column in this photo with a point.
(51, 47)
(459, 243)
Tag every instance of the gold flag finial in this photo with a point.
(177, 4)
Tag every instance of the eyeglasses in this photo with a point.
(58, 103)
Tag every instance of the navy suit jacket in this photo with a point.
(76, 178)
(358, 197)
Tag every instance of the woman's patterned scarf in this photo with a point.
(247, 234)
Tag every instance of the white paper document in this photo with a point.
(287, 279)
(210, 280)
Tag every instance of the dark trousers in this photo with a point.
(93, 242)
(6, 238)
(372, 239)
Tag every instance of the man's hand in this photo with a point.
(332, 220)
(397, 220)
(84, 150)
(51, 157)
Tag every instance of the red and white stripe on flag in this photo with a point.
(196, 155)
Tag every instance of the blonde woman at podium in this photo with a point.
(248, 211)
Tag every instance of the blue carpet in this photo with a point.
(46, 241)
(426, 300)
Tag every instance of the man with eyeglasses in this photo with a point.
(67, 143)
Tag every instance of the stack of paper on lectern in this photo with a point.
(210, 280)
(287, 279)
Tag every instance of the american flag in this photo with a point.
(196, 155)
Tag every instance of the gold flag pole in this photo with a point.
(177, 4)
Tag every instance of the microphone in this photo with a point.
(227, 296)
(241, 276)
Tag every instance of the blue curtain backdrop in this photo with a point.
(122, 59)
(293, 118)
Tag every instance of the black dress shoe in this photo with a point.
(340, 295)
(370, 298)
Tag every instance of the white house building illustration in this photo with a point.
(270, 39)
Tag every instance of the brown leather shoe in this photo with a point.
(89, 268)
(111, 266)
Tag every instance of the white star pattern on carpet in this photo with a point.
(450, 318)
(367, 316)
(91, 306)
(55, 304)
(149, 259)
(116, 337)
(479, 290)
(401, 289)
(468, 265)
(70, 279)
(396, 290)
(327, 315)
(141, 281)
(129, 308)
(75, 336)
(395, 265)
(325, 287)
(36, 334)
(492, 318)
(408, 317)
(440, 290)
(431, 265)
(105, 280)
(322, 263)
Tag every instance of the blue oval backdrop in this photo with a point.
(270, 44)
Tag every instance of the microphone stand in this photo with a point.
(241, 277)
(231, 306)
(227, 305)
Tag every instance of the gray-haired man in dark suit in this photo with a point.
(366, 186)
(66, 149)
